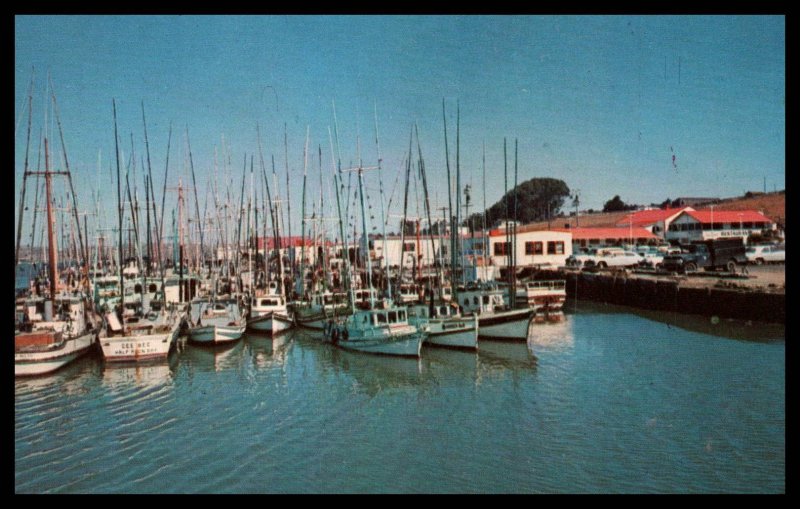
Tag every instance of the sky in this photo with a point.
(644, 107)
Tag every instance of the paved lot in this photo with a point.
(758, 276)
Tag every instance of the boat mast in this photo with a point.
(300, 284)
(25, 175)
(164, 196)
(345, 255)
(457, 226)
(196, 205)
(120, 213)
(71, 188)
(425, 192)
(155, 214)
(450, 208)
(405, 211)
(383, 219)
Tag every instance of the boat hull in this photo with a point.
(405, 345)
(462, 334)
(505, 325)
(44, 362)
(272, 323)
(139, 348)
(216, 334)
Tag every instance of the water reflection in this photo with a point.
(743, 330)
(140, 375)
(553, 336)
(74, 378)
(214, 358)
(264, 351)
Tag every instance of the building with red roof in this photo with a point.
(693, 225)
(654, 220)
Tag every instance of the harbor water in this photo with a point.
(608, 401)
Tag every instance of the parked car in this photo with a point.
(578, 259)
(613, 257)
(650, 256)
(766, 254)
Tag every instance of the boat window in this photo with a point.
(392, 316)
(466, 301)
(443, 310)
(475, 300)
(486, 299)
(401, 316)
(380, 318)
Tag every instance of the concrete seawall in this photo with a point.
(672, 294)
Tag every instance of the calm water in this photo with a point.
(606, 402)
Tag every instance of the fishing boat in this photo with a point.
(269, 313)
(216, 323)
(496, 320)
(446, 326)
(141, 336)
(382, 330)
(54, 329)
(546, 298)
(323, 306)
(142, 329)
(53, 333)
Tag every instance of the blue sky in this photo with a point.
(601, 102)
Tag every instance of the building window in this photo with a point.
(747, 224)
(501, 248)
(594, 241)
(408, 247)
(534, 248)
(555, 247)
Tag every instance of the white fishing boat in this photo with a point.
(382, 330)
(323, 306)
(495, 319)
(141, 337)
(446, 326)
(269, 313)
(215, 323)
(544, 297)
(53, 333)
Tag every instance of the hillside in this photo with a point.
(772, 205)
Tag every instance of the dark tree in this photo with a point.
(537, 199)
(615, 204)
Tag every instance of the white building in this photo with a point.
(533, 247)
(712, 224)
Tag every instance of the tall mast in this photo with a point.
(71, 188)
(345, 256)
(450, 207)
(25, 174)
(514, 238)
(164, 192)
(120, 210)
(196, 205)
(485, 243)
(405, 209)
(52, 250)
(300, 285)
(288, 195)
(505, 198)
(383, 219)
(425, 192)
(457, 225)
(155, 214)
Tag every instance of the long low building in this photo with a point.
(583, 238)
(712, 224)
